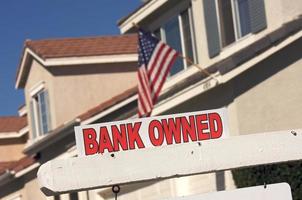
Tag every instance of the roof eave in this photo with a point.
(137, 16)
(67, 61)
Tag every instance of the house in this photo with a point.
(251, 48)
(97, 71)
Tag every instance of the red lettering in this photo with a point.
(105, 142)
(216, 127)
(201, 127)
(119, 137)
(133, 136)
(155, 124)
(172, 130)
(188, 129)
(91, 145)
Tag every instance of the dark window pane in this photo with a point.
(172, 33)
(187, 35)
(43, 112)
(226, 22)
(157, 34)
(57, 197)
(32, 115)
(244, 17)
(73, 196)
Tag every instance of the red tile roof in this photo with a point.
(86, 46)
(5, 165)
(114, 100)
(16, 166)
(12, 123)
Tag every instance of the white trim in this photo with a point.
(7, 135)
(91, 60)
(142, 13)
(185, 94)
(14, 197)
(32, 140)
(26, 170)
(235, 72)
(36, 88)
(109, 110)
(22, 111)
(74, 61)
(11, 135)
(182, 40)
(236, 19)
(193, 37)
(209, 83)
(218, 23)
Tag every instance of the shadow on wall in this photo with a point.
(92, 69)
(224, 94)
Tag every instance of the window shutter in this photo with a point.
(210, 16)
(32, 120)
(257, 15)
(46, 98)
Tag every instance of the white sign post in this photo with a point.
(279, 191)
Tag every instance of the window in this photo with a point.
(73, 196)
(40, 116)
(234, 20)
(177, 32)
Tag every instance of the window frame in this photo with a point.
(182, 40)
(35, 102)
(236, 24)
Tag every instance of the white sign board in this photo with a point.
(279, 191)
(90, 172)
(151, 132)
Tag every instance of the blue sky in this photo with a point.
(37, 19)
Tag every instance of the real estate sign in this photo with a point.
(279, 191)
(151, 132)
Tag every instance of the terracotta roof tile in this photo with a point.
(108, 103)
(23, 163)
(5, 165)
(12, 123)
(18, 165)
(86, 46)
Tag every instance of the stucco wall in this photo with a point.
(78, 89)
(37, 75)
(75, 89)
(273, 97)
(11, 149)
(32, 189)
(278, 12)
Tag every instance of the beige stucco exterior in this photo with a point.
(266, 97)
(73, 90)
(11, 149)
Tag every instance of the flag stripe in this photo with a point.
(145, 86)
(158, 62)
(159, 71)
(155, 61)
(163, 79)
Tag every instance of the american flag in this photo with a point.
(155, 61)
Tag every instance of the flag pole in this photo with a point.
(201, 69)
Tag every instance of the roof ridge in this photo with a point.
(80, 38)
